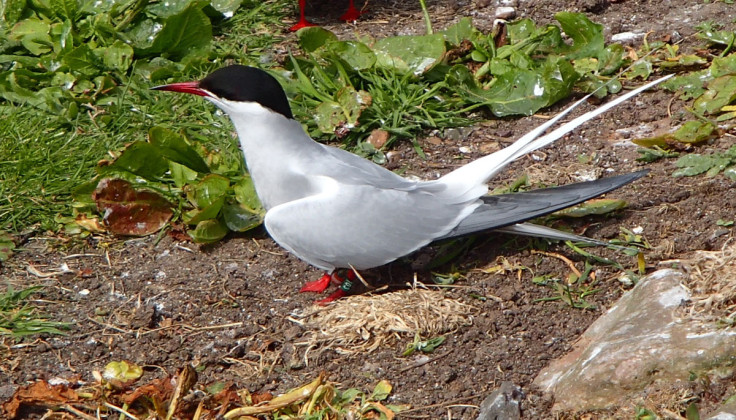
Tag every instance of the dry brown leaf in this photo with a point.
(39, 393)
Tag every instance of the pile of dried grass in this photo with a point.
(713, 283)
(365, 323)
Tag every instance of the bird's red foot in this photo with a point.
(352, 14)
(337, 294)
(318, 286)
(301, 24)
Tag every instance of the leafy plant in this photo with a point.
(18, 319)
(711, 164)
(212, 196)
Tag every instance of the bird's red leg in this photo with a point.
(318, 286)
(352, 14)
(345, 287)
(303, 22)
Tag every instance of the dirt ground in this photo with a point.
(232, 308)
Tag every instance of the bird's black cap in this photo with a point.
(248, 84)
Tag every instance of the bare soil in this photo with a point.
(230, 308)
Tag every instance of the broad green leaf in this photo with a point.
(355, 54)
(209, 231)
(174, 147)
(195, 216)
(226, 7)
(64, 9)
(721, 92)
(181, 174)
(13, 10)
(587, 37)
(142, 159)
(183, 33)
(240, 218)
(82, 60)
(207, 191)
(692, 85)
(611, 59)
(168, 8)
(414, 54)
(696, 164)
(723, 65)
(314, 37)
(694, 132)
(328, 116)
(34, 35)
(118, 56)
(245, 193)
(641, 69)
(461, 31)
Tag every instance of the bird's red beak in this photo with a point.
(184, 87)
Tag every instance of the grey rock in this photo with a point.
(502, 404)
(639, 341)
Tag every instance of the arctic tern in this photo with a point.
(336, 210)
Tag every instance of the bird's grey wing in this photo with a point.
(360, 225)
(503, 210)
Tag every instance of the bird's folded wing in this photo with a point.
(503, 210)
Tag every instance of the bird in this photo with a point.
(336, 210)
(351, 15)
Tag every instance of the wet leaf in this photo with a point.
(130, 212)
(240, 218)
(210, 189)
(208, 231)
(414, 54)
(355, 54)
(183, 33)
(314, 37)
(587, 37)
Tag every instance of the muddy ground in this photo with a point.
(230, 308)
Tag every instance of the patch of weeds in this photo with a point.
(18, 319)
(424, 346)
(573, 291)
(711, 164)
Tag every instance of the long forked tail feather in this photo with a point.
(506, 210)
(468, 178)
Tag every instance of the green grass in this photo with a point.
(43, 157)
(18, 319)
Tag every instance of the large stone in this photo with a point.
(639, 341)
(502, 404)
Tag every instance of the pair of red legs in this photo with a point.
(320, 285)
(350, 16)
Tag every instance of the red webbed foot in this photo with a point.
(318, 286)
(352, 14)
(303, 22)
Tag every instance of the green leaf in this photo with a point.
(721, 92)
(195, 216)
(13, 10)
(183, 33)
(226, 7)
(118, 56)
(34, 35)
(414, 54)
(64, 9)
(181, 174)
(694, 132)
(353, 53)
(207, 191)
(381, 391)
(174, 147)
(314, 37)
(240, 218)
(696, 164)
(245, 193)
(142, 159)
(82, 60)
(587, 37)
(460, 31)
(208, 231)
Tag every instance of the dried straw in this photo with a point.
(713, 283)
(365, 323)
